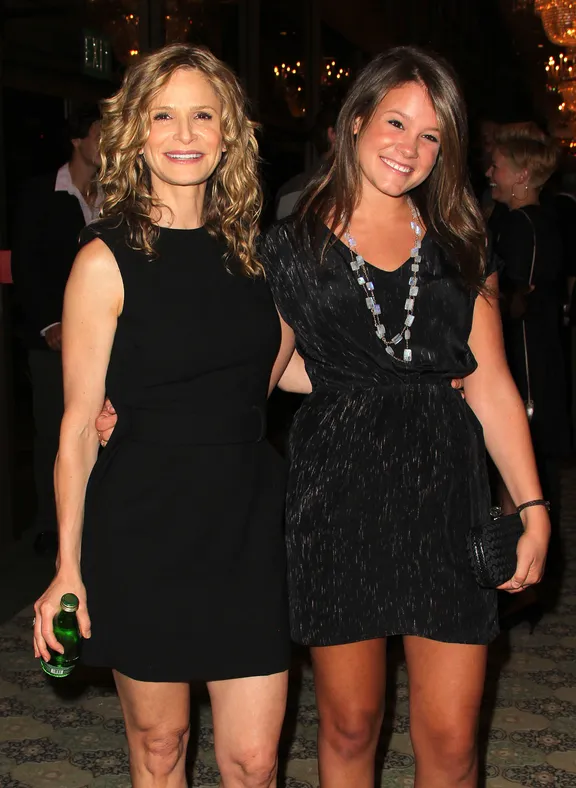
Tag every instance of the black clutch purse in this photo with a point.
(492, 546)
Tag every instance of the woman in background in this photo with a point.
(528, 241)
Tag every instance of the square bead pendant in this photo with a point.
(370, 303)
(407, 355)
(413, 292)
(409, 320)
(389, 350)
(381, 331)
(415, 267)
(354, 265)
(361, 280)
(409, 304)
(370, 285)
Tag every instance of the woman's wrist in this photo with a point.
(536, 520)
(67, 565)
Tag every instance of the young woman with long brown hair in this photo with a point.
(383, 276)
(172, 537)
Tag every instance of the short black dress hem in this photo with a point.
(468, 639)
(255, 671)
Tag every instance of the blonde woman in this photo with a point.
(171, 538)
(528, 241)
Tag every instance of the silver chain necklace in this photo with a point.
(360, 271)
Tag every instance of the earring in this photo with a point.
(520, 199)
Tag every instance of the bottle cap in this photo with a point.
(69, 603)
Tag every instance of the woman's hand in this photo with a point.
(458, 384)
(531, 552)
(49, 605)
(106, 422)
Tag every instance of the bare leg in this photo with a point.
(446, 686)
(157, 717)
(350, 684)
(248, 715)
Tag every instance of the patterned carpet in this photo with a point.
(70, 733)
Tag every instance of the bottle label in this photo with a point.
(56, 671)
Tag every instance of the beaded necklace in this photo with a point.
(360, 270)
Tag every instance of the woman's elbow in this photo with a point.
(78, 427)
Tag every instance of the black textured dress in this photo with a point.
(183, 553)
(388, 465)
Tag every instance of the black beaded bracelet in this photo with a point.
(538, 502)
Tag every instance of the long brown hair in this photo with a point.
(445, 199)
(233, 195)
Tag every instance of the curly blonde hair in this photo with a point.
(233, 201)
(528, 148)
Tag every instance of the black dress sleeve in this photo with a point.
(111, 230)
(515, 246)
(494, 262)
(278, 253)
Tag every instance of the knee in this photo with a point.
(451, 748)
(250, 767)
(351, 734)
(161, 751)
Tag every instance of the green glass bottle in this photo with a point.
(67, 633)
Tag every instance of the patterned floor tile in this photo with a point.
(18, 728)
(514, 720)
(51, 775)
(102, 762)
(540, 776)
(108, 781)
(7, 781)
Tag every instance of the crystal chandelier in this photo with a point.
(568, 91)
(561, 75)
(558, 20)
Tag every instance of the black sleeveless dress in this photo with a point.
(387, 461)
(183, 555)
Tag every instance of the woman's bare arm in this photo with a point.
(494, 398)
(92, 303)
(289, 372)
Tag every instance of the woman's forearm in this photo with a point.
(499, 408)
(76, 458)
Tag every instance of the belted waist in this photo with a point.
(179, 426)
(351, 387)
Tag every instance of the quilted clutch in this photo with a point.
(492, 549)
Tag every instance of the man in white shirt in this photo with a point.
(51, 212)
